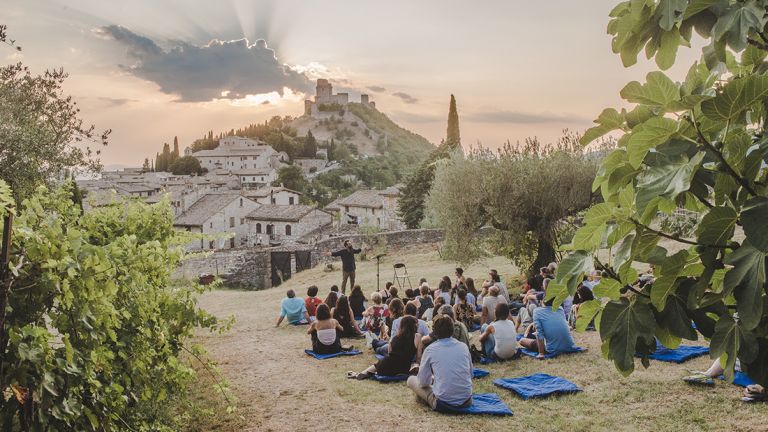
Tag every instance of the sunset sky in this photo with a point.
(151, 69)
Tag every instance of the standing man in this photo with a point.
(347, 255)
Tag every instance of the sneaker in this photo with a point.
(699, 379)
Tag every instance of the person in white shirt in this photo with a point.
(499, 338)
(489, 305)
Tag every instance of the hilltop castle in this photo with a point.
(324, 97)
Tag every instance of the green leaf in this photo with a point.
(622, 324)
(586, 314)
(736, 25)
(754, 218)
(670, 12)
(737, 96)
(696, 6)
(658, 90)
(717, 226)
(572, 269)
(662, 287)
(731, 341)
(666, 181)
(670, 41)
(607, 288)
(607, 121)
(648, 135)
(746, 280)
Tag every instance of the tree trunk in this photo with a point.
(545, 253)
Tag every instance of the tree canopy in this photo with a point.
(699, 144)
(186, 165)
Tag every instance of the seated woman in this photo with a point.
(402, 351)
(357, 302)
(431, 313)
(325, 332)
(395, 310)
(499, 338)
(331, 299)
(463, 310)
(343, 314)
(425, 301)
(472, 293)
(373, 317)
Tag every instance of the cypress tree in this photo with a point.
(176, 148)
(310, 145)
(410, 206)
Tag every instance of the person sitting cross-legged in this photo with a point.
(402, 350)
(552, 332)
(393, 313)
(325, 332)
(489, 305)
(445, 371)
(499, 338)
(293, 310)
(343, 314)
(460, 332)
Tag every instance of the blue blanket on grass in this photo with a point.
(482, 403)
(475, 327)
(530, 353)
(476, 373)
(327, 356)
(537, 385)
(741, 379)
(681, 354)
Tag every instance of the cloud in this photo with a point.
(417, 117)
(405, 97)
(503, 116)
(377, 89)
(228, 69)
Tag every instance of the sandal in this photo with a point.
(755, 393)
(699, 379)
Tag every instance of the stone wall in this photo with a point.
(248, 268)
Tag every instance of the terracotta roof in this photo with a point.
(333, 205)
(274, 212)
(205, 208)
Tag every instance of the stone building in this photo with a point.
(237, 153)
(375, 208)
(274, 195)
(254, 178)
(324, 96)
(276, 224)
(218, 214)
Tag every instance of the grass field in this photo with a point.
(279, 388)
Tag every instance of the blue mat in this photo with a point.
(380, 357)
(741, 379)
(475, 327)
(681, 354)
(537, 385)
(327, 356)
(479, 373)
(482, 403)
(530, 353)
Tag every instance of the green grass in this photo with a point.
(280, 388)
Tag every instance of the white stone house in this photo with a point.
(218, 214)
(253, 178)
(236, 153)
(376, 208)
(274, 195)
(274, 224)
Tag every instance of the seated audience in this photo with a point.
(471, 291)
(385, 292)
(401, 352)
(552, 332)
(444, 289)
(357, 302)
(393, 292)
(496, 280)
(394, 312)
(460, 332)
(374, 315)
(460, 280)
(464, 311)
(293, 310)
(312, 302)
(425, 299)
(343, 314)
(583, 294)
(430, 313)
(489, 305)
(499, 338)
(410, 310)
(445, 372)
(331, 299)
(325, 332)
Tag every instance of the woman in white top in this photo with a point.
(499, 338)
(325, 332)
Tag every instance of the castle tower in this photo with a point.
(308, 107)
(323, 91)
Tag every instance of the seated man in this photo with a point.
(445, 372)
(460, 332)
(552, 332)
(293, 310)
(489, 305)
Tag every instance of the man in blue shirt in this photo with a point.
(348, 267)
(293, 310)
(552, 333)
(445, 372)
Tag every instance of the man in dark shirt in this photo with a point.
(348, 267)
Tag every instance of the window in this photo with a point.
(258, 228)
(210, 225)
(287, 230)
(232, 242)
(241, 202)
(290, 200)
(273, 200)
(242, 221)
(373, 211)
(346, 209)
(202, 244)
(210, 244)
(231, 222)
